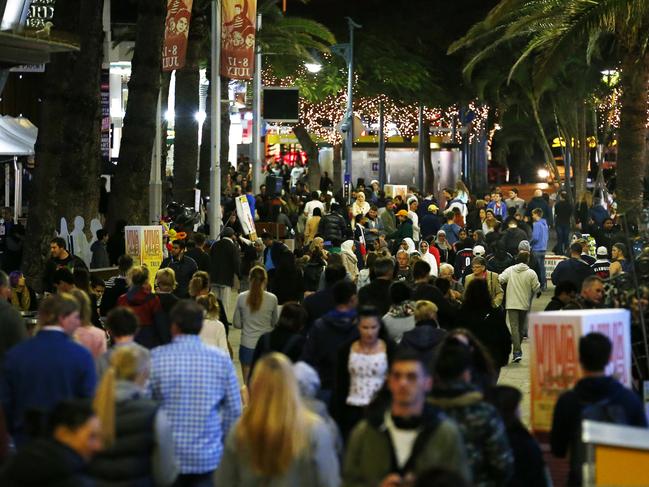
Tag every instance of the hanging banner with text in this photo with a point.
(179, 13)
(554, 354)
(238, 38)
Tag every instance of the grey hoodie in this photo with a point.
(522, 284)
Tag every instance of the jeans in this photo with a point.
(540, 257)
(517, 319)
(195, 480)
(563, 234)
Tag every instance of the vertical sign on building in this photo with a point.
(41, 12)
(179, 13)
(105, 115)
(238, 29)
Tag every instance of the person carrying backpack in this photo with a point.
(596, 397)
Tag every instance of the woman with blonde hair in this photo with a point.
(277, 421)
(88, 335)
(137, 439)
(213, 331)
(255, 314)
(143, 303)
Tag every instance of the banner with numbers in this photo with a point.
(179, 14)
(238, 30)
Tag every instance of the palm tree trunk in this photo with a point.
(338, 167)
(543, 139)
(68, 150)
(632, 134)
(429, 179)
(311, 149)
(134, 167)
(186, 125)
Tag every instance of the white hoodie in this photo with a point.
(522, 284)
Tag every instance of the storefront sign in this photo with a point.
(554, 354)
(238, 38)
(179, 13)
(40, 12)
(144, 245)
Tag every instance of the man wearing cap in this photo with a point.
(225, 268)
(601, 267)
(404, 230)
(430, 223)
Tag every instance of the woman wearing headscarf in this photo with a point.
(408, 245)
(446, 252)
(360, 206)
(428, 257)
(350, 261)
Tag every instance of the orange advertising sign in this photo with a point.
(238, 31)
(179, 13)
(554, 354)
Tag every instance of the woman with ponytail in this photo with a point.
(138, 446)
(255, 314)
(213, 331)
(276, 420)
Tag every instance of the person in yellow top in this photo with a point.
(311, 228)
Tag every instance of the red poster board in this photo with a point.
(179, 14)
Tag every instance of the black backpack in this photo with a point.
(603, 411)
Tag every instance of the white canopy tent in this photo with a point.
(17, 138)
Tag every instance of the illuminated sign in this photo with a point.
(40, 12)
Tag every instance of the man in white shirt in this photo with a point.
(312, 204)
(413, 204)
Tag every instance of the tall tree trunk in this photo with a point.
(68, 150)
(581, 152)
(338, 167)
(186, 125)
(205, 154)
(313, 156)
(632, 134)
(429, 173)
(131, 184)
(225, 133)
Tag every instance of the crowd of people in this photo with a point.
(371, 345)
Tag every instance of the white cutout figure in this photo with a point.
(80, 245)
(64, 234)
(95, 225)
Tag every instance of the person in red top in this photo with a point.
(144, 304)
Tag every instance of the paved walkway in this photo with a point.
(518, 375)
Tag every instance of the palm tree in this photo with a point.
(553, 31)
(68, 155)
(132, 172)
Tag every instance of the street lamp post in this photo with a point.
(347, 52)
(215, 126)
(257, 120)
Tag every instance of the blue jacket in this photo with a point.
(540, 235)
(42, 371)
(598, 213)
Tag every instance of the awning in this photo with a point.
(17, 136)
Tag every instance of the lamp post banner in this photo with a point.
(179, 14)
(238, 32)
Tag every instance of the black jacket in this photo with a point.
(72, 262)
(490, 328)
(225, 262)
(446, 312)
(377, 294)
(328, 334)
(425, 338)
(184, 269)
(115, 287)
(45, 463)
(317, 305)
(333, 228)
(280, 340)
(573, 270)
(554, 305)
(201, 258)
(511, 238)
(529, 467)
(128, 462)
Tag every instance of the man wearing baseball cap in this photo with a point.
(404, 228)
(601, 267)
(430, 222)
